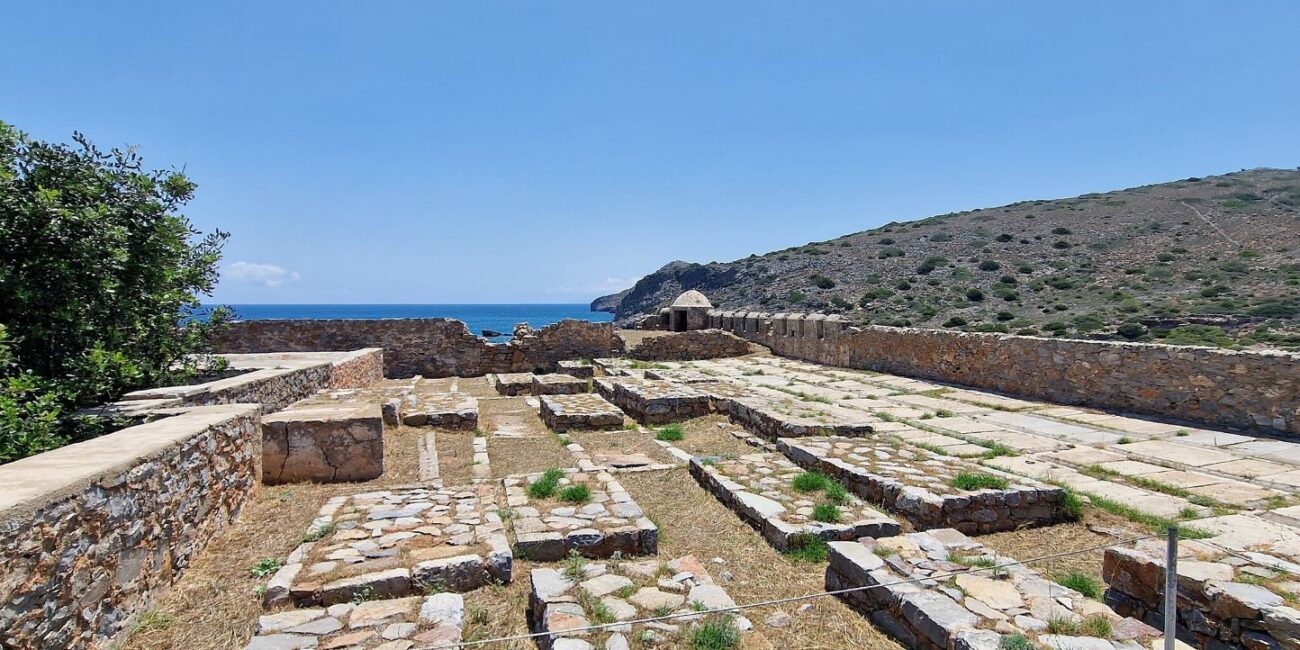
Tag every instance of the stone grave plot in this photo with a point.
(1245, 599)
(559, 384)
(780, 417)
(654, 401)
(967, 596)
(623, 450)
(683, 375)
(931, 490)
(324, 443)
(513, 384)
(583, 594)
(772, 495)
(441, 410)
(581, 411)
(393, 543)
(561, 511)
(576, 368)
(395, 624)
(389, 394)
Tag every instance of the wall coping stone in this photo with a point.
(32, 483)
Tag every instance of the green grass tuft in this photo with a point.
(671, 433)
(545, 486)
(806, 547)
(576, 494)
(974, 481)
(1080, 582)
(827, 512)
(810, 482)
(715, 633)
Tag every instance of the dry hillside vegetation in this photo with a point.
(1210, 261)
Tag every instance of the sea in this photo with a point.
(499, 318)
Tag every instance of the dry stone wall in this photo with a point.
(432, 347)
(1248, 390)
(689, 346)
(90, 532)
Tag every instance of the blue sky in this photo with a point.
(423, 152)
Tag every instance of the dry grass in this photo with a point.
(212, 606)
(537, 452)
(621, 442)
(527, 455)
(705, 438)
(401, 455)
(455, 456)
(1036, 542)
(691, 521)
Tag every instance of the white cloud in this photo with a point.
(608, 285)
(267, 275)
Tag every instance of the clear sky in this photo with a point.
(415, 152)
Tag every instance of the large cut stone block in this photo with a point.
(323, 443)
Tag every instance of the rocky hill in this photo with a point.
(1212, 260)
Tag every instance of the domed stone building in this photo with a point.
(689, 312)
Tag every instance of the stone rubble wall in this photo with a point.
(432, 347)
(90, 532)
(690, 346)
(1248, 390)
(1023, 504)
(1213, 610)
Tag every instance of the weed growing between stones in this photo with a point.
(807, 547)
(1014, 642)
(318, 533)
(363, 594)
(810, 482)
(827, 512)
(974, 481)
(1096, 625)
(576, 494)
(575, 566)
(715, 633)
(545, 486)
(1080, 582)
(265, 567)
(152, 620)
(671, 433)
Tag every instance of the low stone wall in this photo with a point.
(689, 346)
(273, 380)
(1217, 607)
(90, 532)
(1248, 390)
(1020, 504)
(432, 347)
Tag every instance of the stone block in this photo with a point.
(325, 444)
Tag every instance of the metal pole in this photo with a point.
(1171, 587)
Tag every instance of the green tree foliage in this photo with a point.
(100, 285)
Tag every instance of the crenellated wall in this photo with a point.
(1248, 390)
(432, 347)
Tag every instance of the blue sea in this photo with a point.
(501, 318)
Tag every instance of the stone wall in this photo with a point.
(90, 532)
(273, 380)
(690, 345)
(1248, 390)
(1217, 607)
(432, 347)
